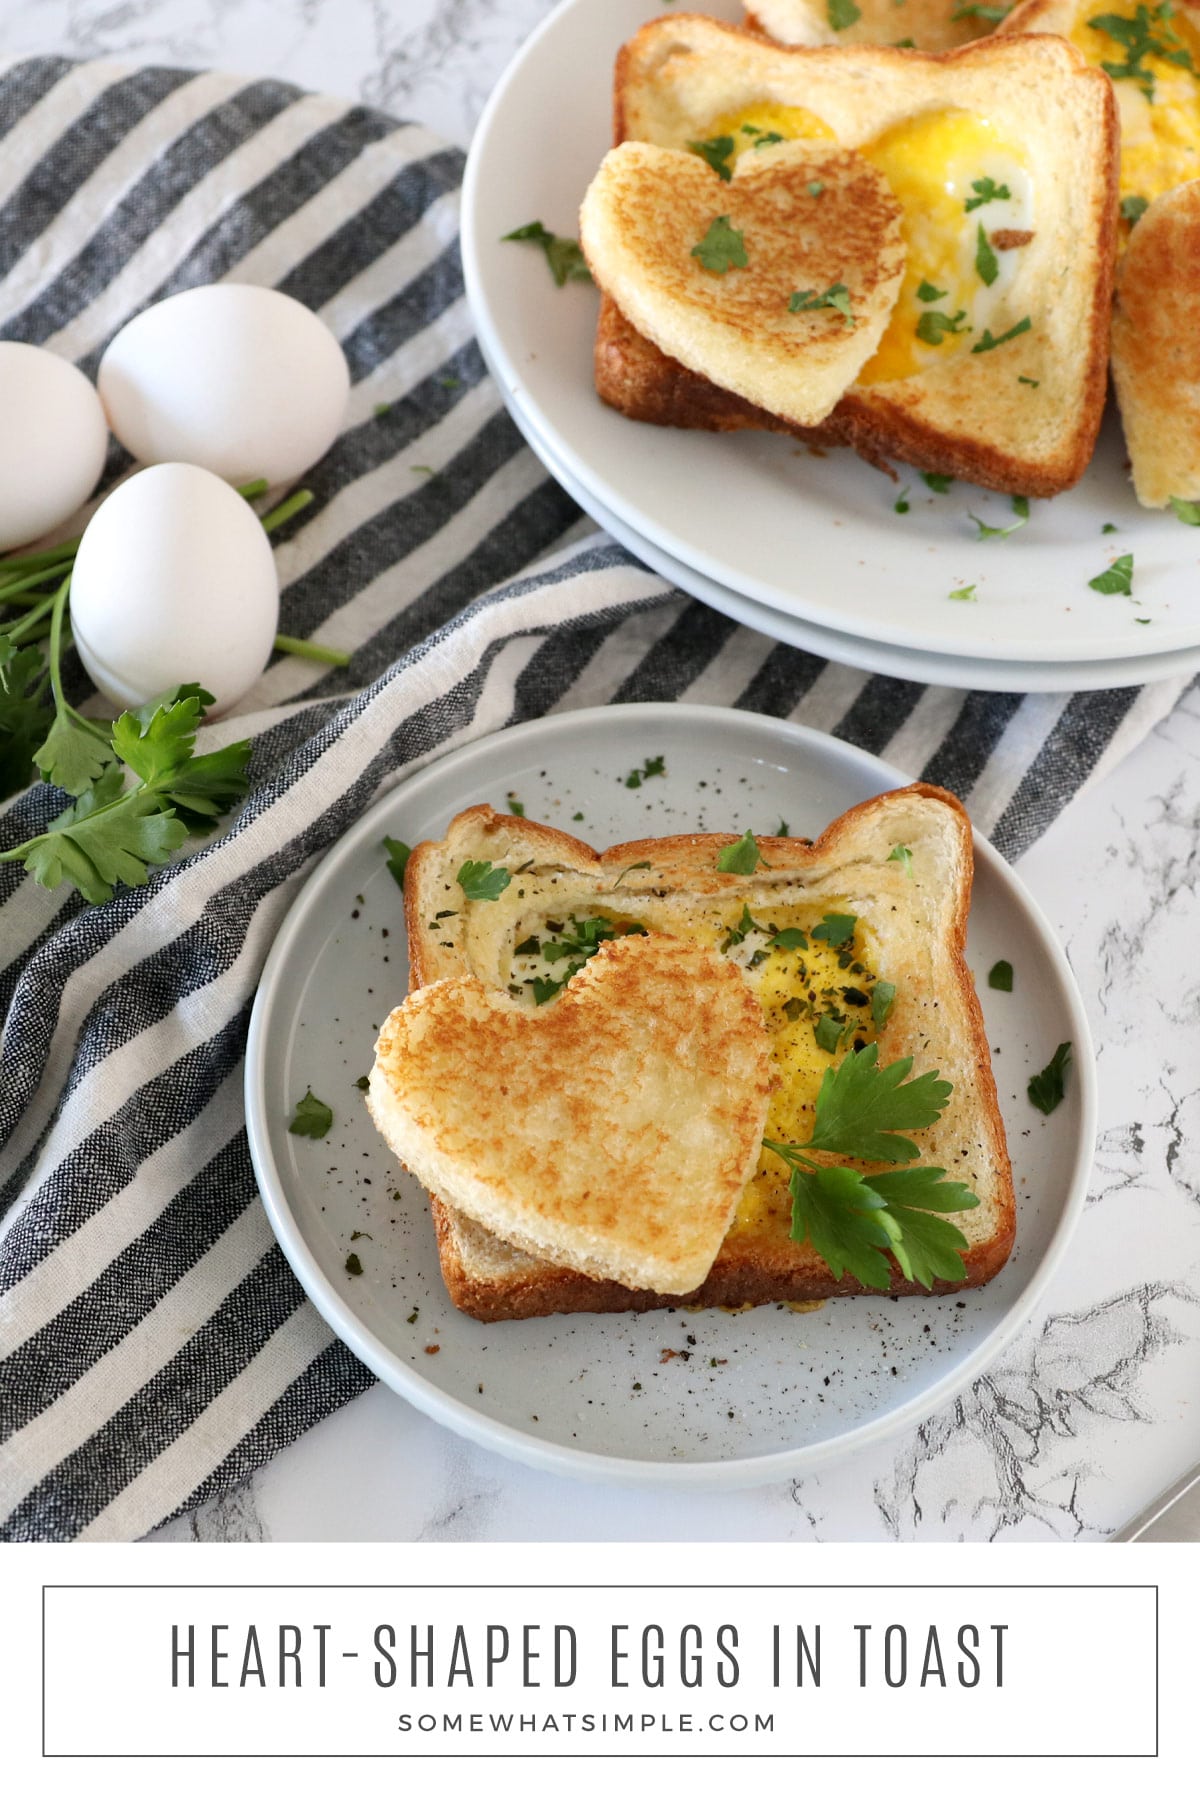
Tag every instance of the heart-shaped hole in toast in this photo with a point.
(611, 1131)
(776, 284)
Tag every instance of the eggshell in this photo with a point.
(53, 439)
(240, 380)
(174, 582)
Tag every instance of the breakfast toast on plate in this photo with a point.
(922, 25)
(1156, 348)
(1003, 157)
(851, 948)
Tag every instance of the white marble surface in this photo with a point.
(1094, 1409)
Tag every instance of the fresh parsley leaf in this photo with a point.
(790, 939)
(741, 858)
(861, 1107)
(545, 989)
(900, 504)
(1118, 579)
(988, 342)
(23, 713)
(987, 263)
(1186, 510)
(107, 836)
(482, 880)
(1028, 381)
(902, 854)
(771, 137)
(927, 1247)
(716, 153)
(629, 871)
(397, 859)
(940, 484)
(962, 593)
(516, 807)
(653, 765)
(1048, 1086)
(842, 14)
(721, 248)
(836, 928)
(835, 1211)
(985, 191)
(928, 293)
(563, 255)
(997, 531)
(933, 327)
(834, 299)
(72, 756)
(1132, 208)
(1020, 506)
(1105, 529)
(828, 1031)
(816, 189)
(882, 999)
(354, 1263)
(312, 1117)
(1000, 977)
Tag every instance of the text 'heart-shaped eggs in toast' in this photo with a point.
(776, 284)
(611, 1131)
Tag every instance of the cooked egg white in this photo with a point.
(1160, 135)
(930, 161)
(794, 986)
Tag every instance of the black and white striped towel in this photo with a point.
(156, 1348)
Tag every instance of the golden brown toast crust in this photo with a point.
(750, 1270)
(867, 419)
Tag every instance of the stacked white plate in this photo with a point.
(807, 548)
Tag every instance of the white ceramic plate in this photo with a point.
(860, 653)
(813, 537)
(757, 1396)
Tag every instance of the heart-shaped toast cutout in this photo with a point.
(776, 284)
(611, 1131)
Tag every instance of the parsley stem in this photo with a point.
(253, 490)
(38, 559)
(287, 509)
(61, 705)
(24, 627)
(321, 653)
(9, 590)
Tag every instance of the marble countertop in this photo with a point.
(1094, 1408)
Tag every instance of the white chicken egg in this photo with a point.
(174, 582)
(240, 380)
(53, 439)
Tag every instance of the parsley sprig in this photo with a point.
(851, 1217)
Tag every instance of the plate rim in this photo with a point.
(508, 379)
(509, 1440)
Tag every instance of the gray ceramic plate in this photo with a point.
(746, 1398)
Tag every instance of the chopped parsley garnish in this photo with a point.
(940, 484)
(900, 504)
(816, 189)
(382, 409)
(653, 765)
(741, 858)
(1132, 207)
(721, 248)
(1188, 511)
(354, 1263)
(828, 1031)
(565, 258)
(397, 858)
(363, 1083)
(482, 880)
(716, 153)
(987, 263)
(842, 14)
(988, 342)
(629, 871)
(902, 854)
(963, 593)
(928, 293)
(1105, 529)
(836, 928)
(768, 137)
(881, 1001)
(985, 191)
(1139, 38)
(933, 327)
(834, 299)
(999, 531)
(1020, 506)
(792, 938)
(1115, 580)
(516, 807)
(738, 933)
(850, 1218)
(312, 1117)
(577, 943)
(782, 829)
(1048, 1086)
(1000, 977)
(1028, 381)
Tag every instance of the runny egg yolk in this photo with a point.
(931, 162)
(1159, 100)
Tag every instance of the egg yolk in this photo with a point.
(1155, 65)
(933, 164)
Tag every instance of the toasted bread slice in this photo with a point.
(819, 257)
(1156, 348)
(1000, 381)
(613, 1132)
(918, 25)
(910, 916)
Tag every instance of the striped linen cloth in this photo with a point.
(155, 1346)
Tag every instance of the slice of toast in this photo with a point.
(777, 283)
(917, 25)
(909, 914)
(993, 367)
(1156, 348)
